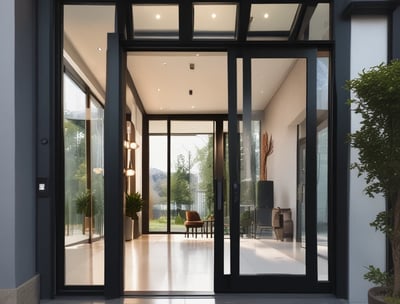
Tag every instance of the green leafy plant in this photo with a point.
(379, 278)
(83, 205)
(377, 101)
(133, 204)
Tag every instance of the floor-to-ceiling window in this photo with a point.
(181, 178)
(84, 186)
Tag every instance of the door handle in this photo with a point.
(220, 194)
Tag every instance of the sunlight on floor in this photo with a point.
(161, 262)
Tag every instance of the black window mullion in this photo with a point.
(311, 169)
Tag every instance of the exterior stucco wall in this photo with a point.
(366, 247)
(18, 280)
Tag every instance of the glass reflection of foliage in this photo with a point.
(205, 159)
(75, 167)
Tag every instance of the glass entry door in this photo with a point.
(272, 104)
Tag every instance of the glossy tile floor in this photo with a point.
(173, 263)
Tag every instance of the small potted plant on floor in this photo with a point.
(377, 101)
(85, 205)
(133, 204)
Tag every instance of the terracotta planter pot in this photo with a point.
(376, 295)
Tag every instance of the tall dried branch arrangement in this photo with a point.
(267, 147)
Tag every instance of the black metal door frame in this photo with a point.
(234, 282)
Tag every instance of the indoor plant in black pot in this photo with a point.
(377, 101)
(133, 204)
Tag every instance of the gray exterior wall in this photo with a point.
(17, 150)
(7, 148)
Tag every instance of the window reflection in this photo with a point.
(84, 186)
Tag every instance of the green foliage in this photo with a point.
(377, 101)
(83, 205)
(179, 220)
(133, 204)
(205, 159)
(162, 219)
(383, 223)
(180, 182)
(379, 278)
(378, 140)
(245, 218)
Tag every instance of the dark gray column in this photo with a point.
(113, 167)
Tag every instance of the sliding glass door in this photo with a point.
(266, 133)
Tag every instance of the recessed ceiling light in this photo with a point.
(213, 15)
(99, 49)
(158, 89)
(193, 107)
(158, 16)
(164, 63)
(266, 15)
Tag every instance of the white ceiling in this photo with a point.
(163, 80)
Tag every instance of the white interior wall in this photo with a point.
(281, 116)
(366, 247)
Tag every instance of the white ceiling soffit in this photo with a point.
(167, 84)
(194, 83)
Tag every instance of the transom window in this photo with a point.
(232, 21)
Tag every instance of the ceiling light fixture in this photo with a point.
(266, 15)
(99, 49)
(158, 16)
(213, 15)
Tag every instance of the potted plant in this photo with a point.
(377, 100)
(133, 204)
(85, 205)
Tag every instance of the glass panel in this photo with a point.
(320, 23)
(226, 206)
(272, 18)
(97, 165)
(322, 166)
(192, 163)
(215, 21)
(158, 160)
(268, 199)
(84, 258)
(155, 21)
